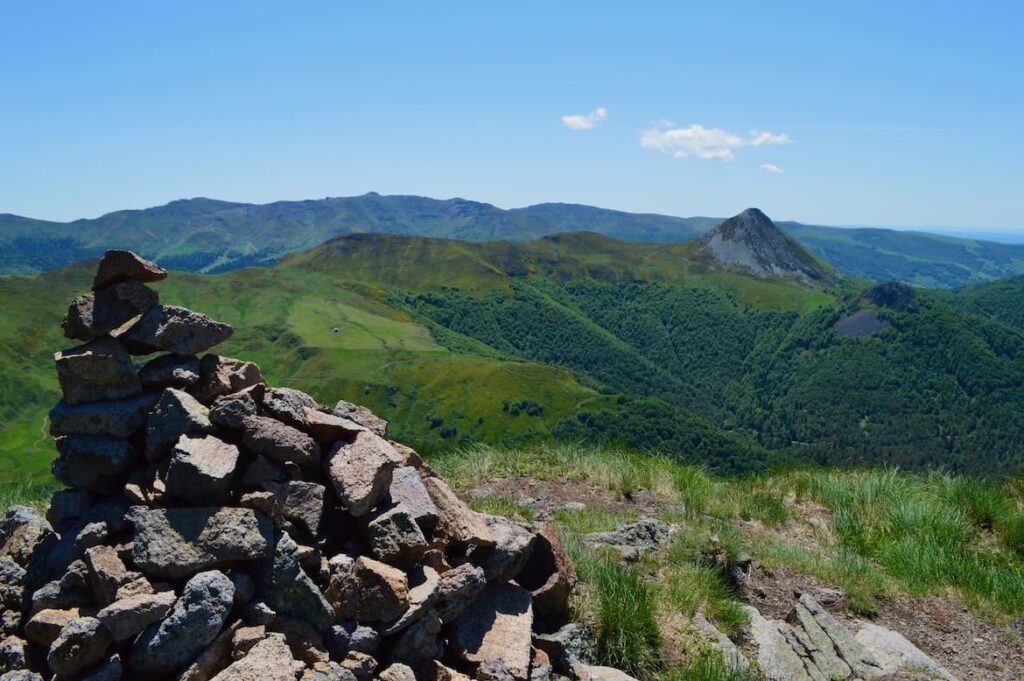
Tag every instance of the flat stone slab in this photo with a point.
(93, 314)
(177, 542)
(174, 329)
(117, 265)
(496, 626)
(99, 370)
(115, 418)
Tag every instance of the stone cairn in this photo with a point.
(214, 527)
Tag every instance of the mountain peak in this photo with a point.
(750, 242)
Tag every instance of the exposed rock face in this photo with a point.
(204, 536)
(633, 541)
(751, 243)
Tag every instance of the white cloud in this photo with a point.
(772, 168)
(585, 121)
(705, 143)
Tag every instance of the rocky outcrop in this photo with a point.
(217, 528)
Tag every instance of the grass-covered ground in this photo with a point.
(875, 534)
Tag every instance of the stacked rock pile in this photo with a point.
(214, 527)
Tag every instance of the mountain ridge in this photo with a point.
(210, 235)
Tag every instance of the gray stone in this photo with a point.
(418, 643)
(278, 441)
(731, 655)
(574, 643)
(176, 413)
(114, 418)
(201, 469)
(512, 547)
(773, 654)
(72, 590)
(584, 672)
(94, 314)
(107, 573)
(370, 592)
(408, 489)
(327, 671)
(833, 635)
(230, 411)
(497, 625)
(360, 665)
(178, 542)
(68, 505)
(550, 576)
(269, 660)
(360, 471)
(12, 653)
(300, 502)
(171, 371)
(128, 616)
(20, 675)
(424, 583)
(350, 636)
(289, 406)
(82, 643)
(397, 672)
(111, 670)
(219, 376)
(99, 370)
(456, 522)
(894, 653)
(94, 463)
(262, 470)
(28, 540)
(632, 541)
(362, 416)
(459, 587)
(118, 266)
(197, 617)
(327, 429)
(287, 588)
(215, 657)
(94, 527)
(174, 329)
(395, 537)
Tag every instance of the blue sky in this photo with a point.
(895, 114)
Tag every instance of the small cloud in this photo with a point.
(585, 121)
(772, 168)
(705, 143)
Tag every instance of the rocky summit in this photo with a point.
(215, 528)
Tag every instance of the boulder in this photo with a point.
(27, 538)
(107, 573)
(497, 625)
(830, 635)
(99, 370)
(408, 489)
(300, 502)
(395, 538)
(12, 653)
(126, 617)
(397, 672)
(370, 592)
(362, 416)
(278, 441)
(456, 522)
(177, 542)
(287, 588)
(418, 643)
(113, 418)
(424, 583)
(350, 636)
(268, 660)
(174, 329)
(895, 654)
(360, 471)
(230, 411)
(773, 654)
(289, 406)
(634, 540)
(70, 591)
(458, 588)
(572, 644)
(197, 617)
(82, 642)
(118, 266)
(68, 505)
(508, 555)
(550, 576)
(93, 462)
(170, 371)
(219, 376)
(201, 469)
(45, 626)
(176, 413)
(111, 670)
(327, 429)
(92, 315)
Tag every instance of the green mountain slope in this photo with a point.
(211, 236)
(583, 337)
